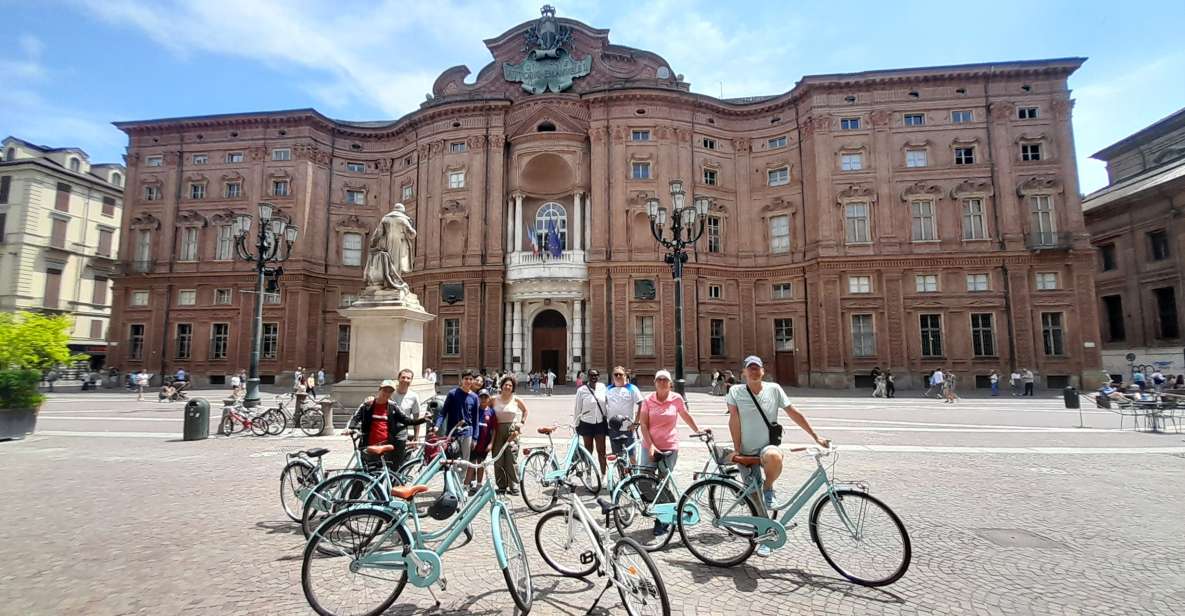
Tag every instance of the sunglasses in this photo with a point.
(618, 374)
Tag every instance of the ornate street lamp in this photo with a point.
(686, 226)
(273, 244)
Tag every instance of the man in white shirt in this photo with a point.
(431, 376)
(1014, 382)
(623, 399)
(551, 381)
(936, 381)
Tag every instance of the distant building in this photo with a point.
(1136, 223)
(59, 231)
(906, 219)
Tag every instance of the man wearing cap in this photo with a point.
(382, 424)
(752, 408)
(487, 426)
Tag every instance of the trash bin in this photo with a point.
(1070, 394)
(197, 420)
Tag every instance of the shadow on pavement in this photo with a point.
(745, 578)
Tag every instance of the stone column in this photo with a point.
(507, 334)
(578, 335)
(510, 247)
(518, 222)
(577, 213)
(517, 337)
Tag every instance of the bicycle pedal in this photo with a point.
(443, 584)
(588, 557)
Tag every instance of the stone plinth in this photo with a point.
(386, 336)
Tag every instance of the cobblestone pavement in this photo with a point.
(1010, 508)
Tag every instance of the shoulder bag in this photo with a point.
(775, 430)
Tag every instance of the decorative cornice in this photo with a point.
(350, 223)
(970, 187)
(144, 221)
(855, 192)
(1039, 185)
(921, 189)
(190, 218)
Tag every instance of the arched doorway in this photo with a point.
(549, 343)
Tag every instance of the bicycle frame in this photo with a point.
(576, 509)
(559, 471)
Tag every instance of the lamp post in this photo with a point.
(686, 226)
(271, 233)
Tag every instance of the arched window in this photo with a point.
(551, 216)
(75, 165)
(117, 179)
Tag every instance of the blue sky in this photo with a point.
(69, 68)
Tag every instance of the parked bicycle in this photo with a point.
(857, 534)
(303, 472)
(543, 472)
(361, 558)
(308, 417)
(237, 419)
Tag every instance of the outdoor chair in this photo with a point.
(1124, 408)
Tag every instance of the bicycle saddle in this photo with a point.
(408, 492)
(611, 458)
(607, 505)
(546, 430)
(747, 460)
(317, 452)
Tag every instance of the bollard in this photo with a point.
(327, 417)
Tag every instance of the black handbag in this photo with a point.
(775, 430)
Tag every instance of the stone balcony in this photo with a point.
(529, 266)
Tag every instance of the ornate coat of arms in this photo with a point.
(548, 65)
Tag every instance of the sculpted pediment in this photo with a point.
(558, 116)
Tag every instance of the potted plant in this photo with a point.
(30, 344)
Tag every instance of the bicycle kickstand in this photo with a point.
(608, 585)
(433, 594)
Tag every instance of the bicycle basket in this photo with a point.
(722, 454)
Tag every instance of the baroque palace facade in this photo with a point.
(902, 219)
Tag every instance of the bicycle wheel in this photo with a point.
(333, 584)
(517, 571)
(228, 426)
(876, 553)
(330, 496)
(638, 581)
(259, 425)
(564, 544)
(637, 498)
(585, 468)
(276, 421)
(708, 540)
(536, 495)
(311, 422)
(297, 478)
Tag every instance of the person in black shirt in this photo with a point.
(380, 422)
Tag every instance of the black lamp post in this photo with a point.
(271, 234)
(686, 226)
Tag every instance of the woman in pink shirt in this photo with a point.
(658, 421)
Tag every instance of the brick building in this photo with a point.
(906, 219)
(1135, 222)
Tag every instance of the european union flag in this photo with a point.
(555, 247)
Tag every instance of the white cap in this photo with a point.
(662, 374)
(753, 359)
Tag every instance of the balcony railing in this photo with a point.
(1049, 240)
(528, 258)
(526, 265)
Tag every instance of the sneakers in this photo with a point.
(768, 496)
(660, 529)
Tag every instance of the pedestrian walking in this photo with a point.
(1140, 379)
(235, 385)
(1028, 380)
(140, 381)
(1014, 382)
(879, 389)
(311, 385)
(890, 387)
(1158, 380)
(937, 378)
(320, 376)
(948, 387)
(995, 380)
(551, 381)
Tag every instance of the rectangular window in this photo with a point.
(709, 143)
(1116, 324)
(352, 249)
(62, 200)
(926, 283)
(644, 336)
(644, 289)
(1166, 311)
(139, 298)
(271, 341)
(272, 298)
(783, 334)
(452, 337)
(716, 340)
(779, 234)
(978, 282)
(1026, 113)
(714, 230)
(778, 177)
(219, 340)
(710, 177)
(914, 119)
(3, 226)
(197, 191)
(233, 190)
(983, 335)
(1042, 219)
(1047, 281)
(974, 227)
(856, 226)
(57, 237)
(199, 159)
(916, 158)
(456, 147)
(143, 261)
(923, 227)
(5, 186)
(640, 171)
(1158, 245)
(152, 193)
(640, 135)
(863, 338)
(108, 206)
(136, 341)
(96, 329)
(849, 123)
(408, 192)
(782, 290)
(965, 156)
(184, 340)
(234, 157)
(222, 297)
(343, 338)
(224, 246)
(281, 154)
(189, 244)
(105, 239)
(851, 162)
(355, 197)
(154, 161)
(1107, 257)
(456, 179)
(959, 117)
(99, 295)
(280, 188)
(859, 284)
(1052, 334)
(1030, 151)
(347, 300)
(777, 142)
(187, 297)
(931, 330)
(356, 167)
(715, 291)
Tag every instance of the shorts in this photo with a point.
(592, 429)
(620, 441)
(478, 457)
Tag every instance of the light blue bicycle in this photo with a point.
(360, 559)
(542, 474)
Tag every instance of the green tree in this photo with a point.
(35, 341)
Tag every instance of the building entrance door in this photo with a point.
(787, 368)
(549, 343)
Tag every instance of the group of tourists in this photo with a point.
(306, 382)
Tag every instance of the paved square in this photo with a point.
(1011, 509)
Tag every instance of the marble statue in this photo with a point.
(390, 251)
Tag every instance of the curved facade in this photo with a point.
(901, 219)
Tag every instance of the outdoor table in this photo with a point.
(1153, 410)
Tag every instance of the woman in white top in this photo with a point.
(511, 414)
(589, 415)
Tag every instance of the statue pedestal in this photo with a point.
(386, 336)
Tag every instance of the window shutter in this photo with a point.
(5, 184)
(53, 288)
(109, 206)
(62, 203)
